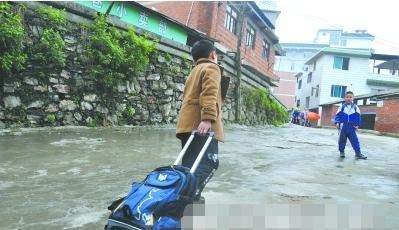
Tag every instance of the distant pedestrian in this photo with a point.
(295, 116)
(348, 120)
(302, 118)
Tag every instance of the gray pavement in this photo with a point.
(269, 178)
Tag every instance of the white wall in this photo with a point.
(358, 43)
(354, 79)
(293, 61)
(322, 38)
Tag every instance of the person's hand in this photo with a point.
(204, 127)
(337, 125)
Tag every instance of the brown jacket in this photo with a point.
(202, 99)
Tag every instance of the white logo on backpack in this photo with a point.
(162, 177)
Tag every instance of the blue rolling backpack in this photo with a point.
(158, 201)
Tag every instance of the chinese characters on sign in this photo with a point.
(143, 19)
(97, 4)
(121, 10)
(162, 27)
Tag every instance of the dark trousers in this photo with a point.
(209, 163)
(348, 131)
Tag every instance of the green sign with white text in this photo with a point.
(141, 19)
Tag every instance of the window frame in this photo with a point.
(341, 91)
(309, 80)
(250, 37)
(230, 21)
(342, 64)
(265, 50)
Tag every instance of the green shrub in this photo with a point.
(268, 110)
(12, 34)
(50, 50)
(51, 118)
(130, 111)
(53, 18)
(114, 55)
(49, 47)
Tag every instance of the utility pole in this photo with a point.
(242, 11)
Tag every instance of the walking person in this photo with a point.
(348, 120)
(295, 115)
(305, 118)
(201, 110)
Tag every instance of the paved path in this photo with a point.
(269, 178)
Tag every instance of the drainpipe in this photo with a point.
(189, 13)
(237, 91)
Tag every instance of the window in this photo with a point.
(315, 91)
(307, 102)
(343, 43)
(299, 84)
(266, 50)
(250, 38)
(338, 91)
(309, 77)
(341, 63)
(230, 21)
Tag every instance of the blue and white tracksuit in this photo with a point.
(348, 115)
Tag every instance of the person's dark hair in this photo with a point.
(349, 92)
(202, 49)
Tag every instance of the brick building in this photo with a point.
(218, 19)
(286, 90)
(380, 111)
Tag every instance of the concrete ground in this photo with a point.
(268, 178)
(285, 170)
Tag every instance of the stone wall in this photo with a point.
(69, 96)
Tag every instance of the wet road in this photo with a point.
(65, 179)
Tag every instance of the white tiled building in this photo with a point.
(359, 39)
(334, 71)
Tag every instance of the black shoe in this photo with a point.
(361, 156)
(342, 154)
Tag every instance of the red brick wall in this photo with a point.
(208, 17)
(330, 111)
(368, 109)
(387, 119)
(252, 55)
(202, 16)
(176, 10)
(327, 114)
(387, 116)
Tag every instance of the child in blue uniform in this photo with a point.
(348, 115)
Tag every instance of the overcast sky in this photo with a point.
(300, 19)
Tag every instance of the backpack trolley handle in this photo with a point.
(201, 153)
